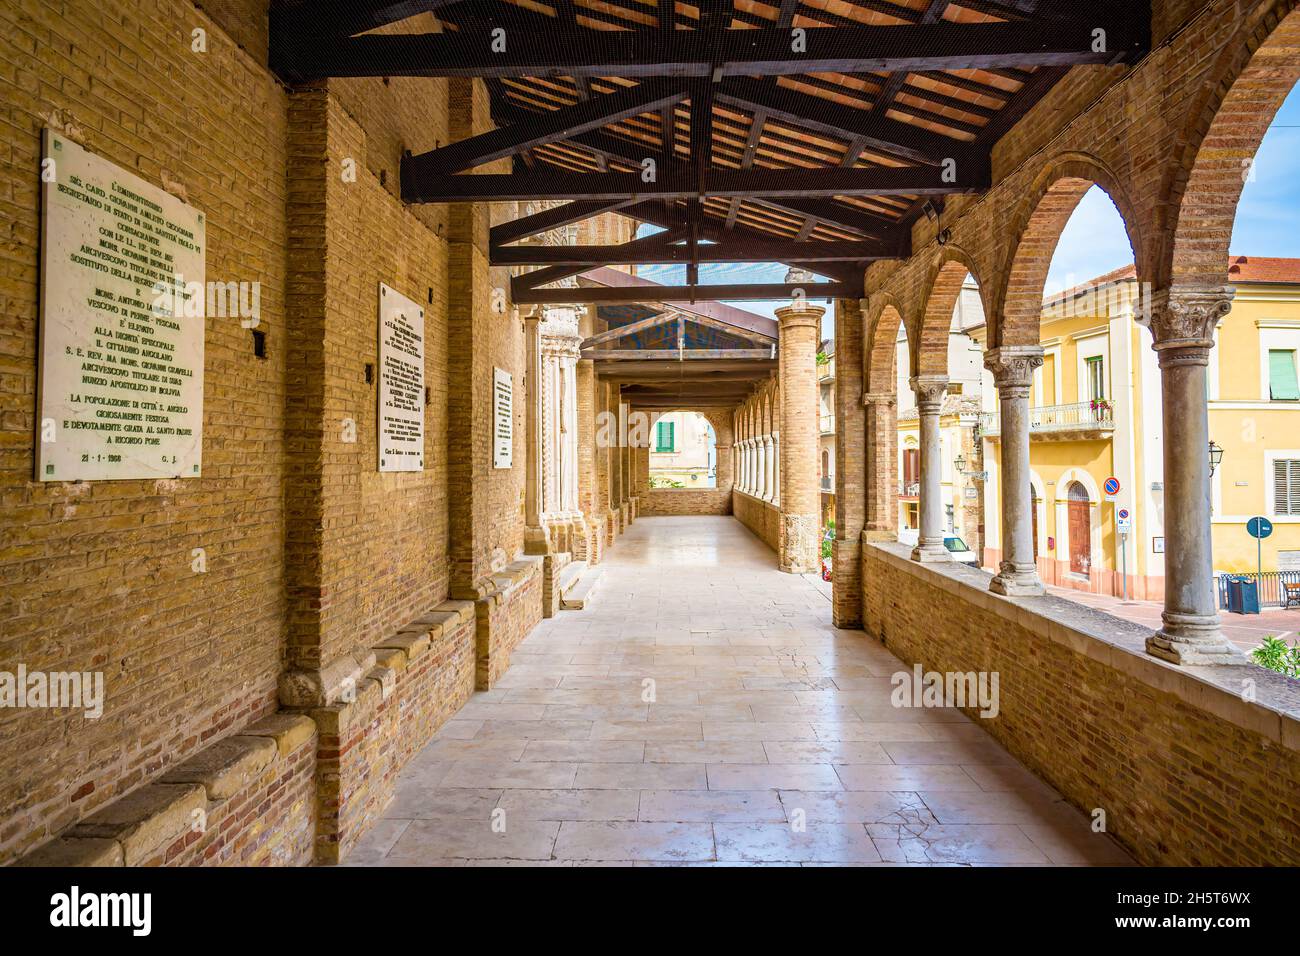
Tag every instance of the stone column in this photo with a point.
(930, 390)
(800, 333)
(535, 538)
(760, 468)
(769, 470)
(1013, 373)
(776, 461)
(1182, 326)
(881, 465)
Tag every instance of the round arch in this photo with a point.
(945, 278)
(1258, 68)
(1072, 475)
(881, 351)
(1057, 191)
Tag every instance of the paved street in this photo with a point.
(1246, 630)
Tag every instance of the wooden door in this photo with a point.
(1080, 531)
(1033, 505)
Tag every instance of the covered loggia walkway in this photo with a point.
(706, 710)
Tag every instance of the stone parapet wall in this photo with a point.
(759, 516)
(1188, 772)
(423, 674)
(246, 800)
(662, 502)
(504, 616)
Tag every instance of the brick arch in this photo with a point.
(945, 278)
(882, 352)
(1258, 67)
(1040, 219)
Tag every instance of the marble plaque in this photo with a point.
(503, 430)
(401, 382)
(123, 300)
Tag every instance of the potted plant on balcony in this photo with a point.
(1101, 408)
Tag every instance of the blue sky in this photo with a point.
(1093, 241)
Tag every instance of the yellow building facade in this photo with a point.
(1095, 417)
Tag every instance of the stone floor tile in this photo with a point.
(423, 840)
(671, 842)
(644, 776)
(824, 842)
(773, 777)
(570, 804)
(712, 806)
(706, 751)
(973, 843)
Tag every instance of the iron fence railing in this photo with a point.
(1049, 418)
(1272, 590)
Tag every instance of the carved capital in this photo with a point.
(929, 390)
(1182, 323)
(1013, 365)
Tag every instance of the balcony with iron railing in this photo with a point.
(827, 423)
(1095, 419)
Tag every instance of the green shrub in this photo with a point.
(1277, 655)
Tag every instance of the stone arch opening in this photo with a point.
(1016, 321)
(684, 450)
(1258, 69)
(951, 283)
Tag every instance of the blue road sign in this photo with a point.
(1259, 527)
(1112, 486)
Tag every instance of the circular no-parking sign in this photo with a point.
(1112, 485)
(1259, 527)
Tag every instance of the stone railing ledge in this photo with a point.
(1253, 698)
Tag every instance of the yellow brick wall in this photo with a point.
(97, 576)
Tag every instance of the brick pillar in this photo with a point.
(881, 463)
(588, 489)
(850, 466)
(1013, 373)
(800, 333)
(613, 496)
(930, 390)
(535, 537)
(1182, 326)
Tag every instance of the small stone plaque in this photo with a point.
(401, 382)
(122, 322)
(503, 432)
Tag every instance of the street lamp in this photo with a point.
(960, 463)
(1216, 456)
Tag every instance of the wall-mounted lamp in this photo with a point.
(1216, 456)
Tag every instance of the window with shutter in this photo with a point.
(1286, 486)
(664, 437)
(1282, 384)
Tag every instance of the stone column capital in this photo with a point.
(1182, 322)
(806, 314)
(879, 398)
(1013, 366)
(929, 390)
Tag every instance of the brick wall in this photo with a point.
(97, 576)
(761, 517)
(1187, 772)
(661, 502)
(313, 558)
